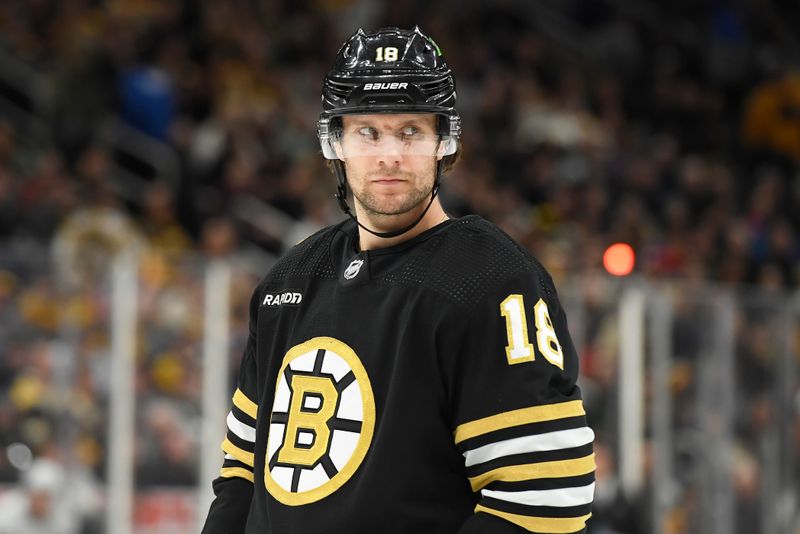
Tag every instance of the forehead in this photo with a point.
(390, 120)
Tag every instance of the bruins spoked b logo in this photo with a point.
(321, 424)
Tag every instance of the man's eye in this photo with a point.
(368, 133)
(408, 131)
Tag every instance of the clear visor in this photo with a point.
(366, 141)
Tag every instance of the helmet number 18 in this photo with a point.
(386, 53)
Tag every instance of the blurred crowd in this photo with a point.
(672, 127)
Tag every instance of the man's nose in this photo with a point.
(391, 148)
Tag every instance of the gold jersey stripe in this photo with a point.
(523, 416)
(517, 473)
(241, 472)
(545, 525)
(241, 455)
(241, 401)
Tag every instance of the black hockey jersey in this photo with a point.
(428, 387)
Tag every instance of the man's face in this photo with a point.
(390, 160)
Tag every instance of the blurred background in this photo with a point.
(156, 157)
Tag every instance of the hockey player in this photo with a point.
(406, 372)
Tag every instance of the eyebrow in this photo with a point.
(409, 122)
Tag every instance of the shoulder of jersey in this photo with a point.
(469, 260)
(310, 257)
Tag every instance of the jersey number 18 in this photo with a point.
(519, 347)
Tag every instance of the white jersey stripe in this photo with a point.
(556, 497)
(241, 430)
(561, 439)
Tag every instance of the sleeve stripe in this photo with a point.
(540, 457)
(241, 455)
(563, 439)
(544, 483)
(530, 429)
(544, 525)
(241, 401)
(556, 497)
(241, 430)
(229, 472)
(243, 417)
(536, 511)
(534, 414)
(249, 446)
(230, 461)
(554, 469)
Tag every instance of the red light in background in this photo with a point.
(619, 259)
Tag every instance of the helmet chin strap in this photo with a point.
(341, 196)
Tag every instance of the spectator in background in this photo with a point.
(166, 440)
(772, 116)
(50, 502)
(46, 196)
(220, 239)
(147, 92)
(160, 221)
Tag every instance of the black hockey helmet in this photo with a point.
(389, 71)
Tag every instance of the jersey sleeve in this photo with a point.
(518, 417)
(233, 488)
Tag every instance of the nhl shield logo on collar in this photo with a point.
(353, 269)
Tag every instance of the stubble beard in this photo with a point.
(380, 206)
